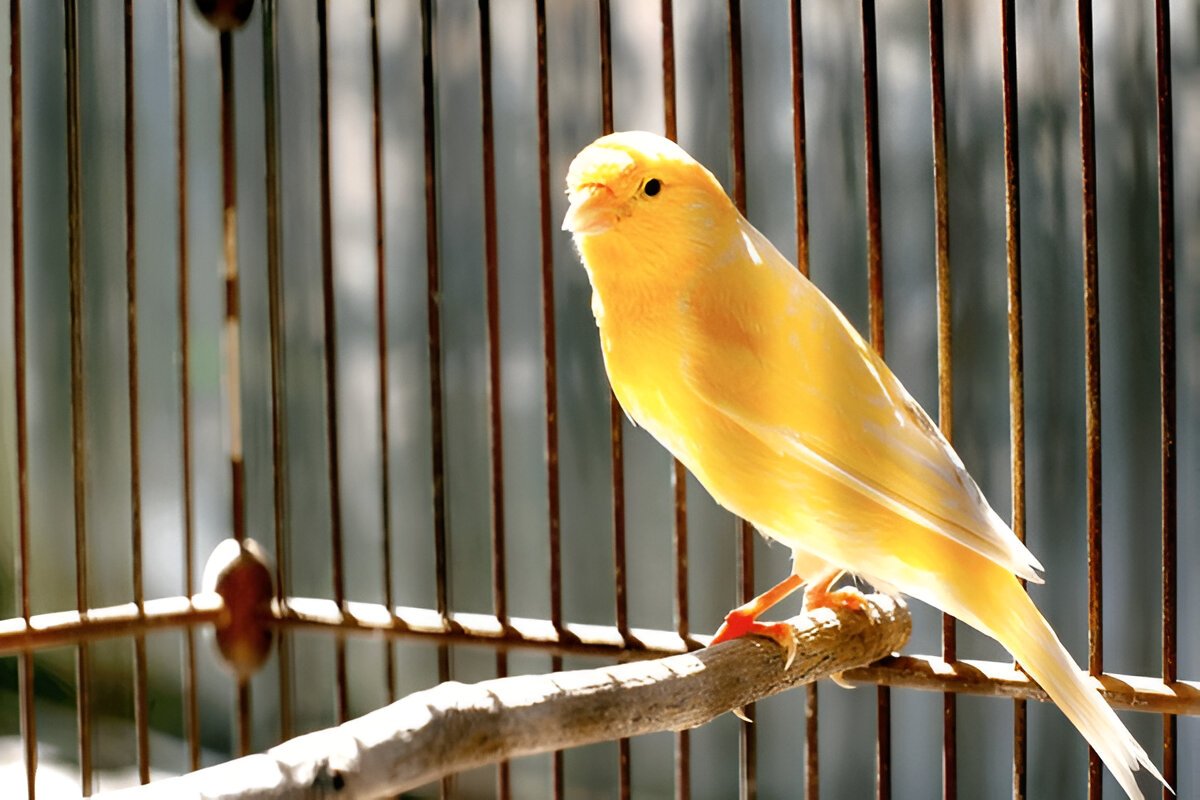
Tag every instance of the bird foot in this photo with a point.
(738, 625)
(847, 597)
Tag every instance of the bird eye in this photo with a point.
(652, 187)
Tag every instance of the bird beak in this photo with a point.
(591, 210)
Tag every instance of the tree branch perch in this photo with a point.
(454, 726)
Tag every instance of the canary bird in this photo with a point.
(718, 347)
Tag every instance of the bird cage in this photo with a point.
(291, 274)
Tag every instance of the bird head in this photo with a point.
(635, 184)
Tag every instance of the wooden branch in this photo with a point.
(455, 726)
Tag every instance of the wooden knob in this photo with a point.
(241, 575)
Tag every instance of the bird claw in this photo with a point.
(847, 597)
(736, 626)
(740, 713)
(840, 679)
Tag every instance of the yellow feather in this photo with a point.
(751, 377)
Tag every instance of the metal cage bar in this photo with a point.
(183, 309)
(494, 395)
(1016, 343)
(679, 526)
(1166, 267)
(812, 771)
(275, 312)
(26, 673)
(140, 709)
(874, 215)
(78, 421)
(1091, 314)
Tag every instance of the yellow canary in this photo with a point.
(751, 377)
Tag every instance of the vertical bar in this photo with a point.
(799, 138)
(748, 778)
(1016, 345)
(683, 781)
(874, 213)
(615, 417)
(434, 314)
(1091, 313)
(140, 710)
(494, 393)
(937, 71)
(329, 315)
(191, 701)
(26, 673)
(232, 331)
(385, 506)
(883, 696)
(232, 337)
(621, 580)
(279, 458)
(1166, 272)
(549, 352)
(812, 771)
(78, 421)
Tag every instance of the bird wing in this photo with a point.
(765, 348)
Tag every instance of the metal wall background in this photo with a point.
(344, 130)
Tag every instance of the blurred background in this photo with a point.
(1053, 294)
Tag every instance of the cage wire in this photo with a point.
(291, 272)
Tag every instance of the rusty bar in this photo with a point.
(385, 506)
(871, 140)
(1166, 277)
(26, 671)
(678, 471)
(140, 709)
(799, 138)
(883, 698)
(191, 706)
(329, 316)
(434, 289)
(945, 362)
(494, 393)
(747, 761)
(604, 10)
(683, 750)
(492, 299)
(279, 471)
(683, 761)
(232, 327)
(245, 730)
(1016, 347)
(548, 322)
(434, 320)
(1091, 314)
(812, 764)
(65, 628)
(737, 107)
(812, 772)
(615, 415)
(78, 420)
(549, 351)
(668, 67)
(1004, 679)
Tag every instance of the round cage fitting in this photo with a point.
(240, 573)
(225, 15)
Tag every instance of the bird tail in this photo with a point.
(1017, 624)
